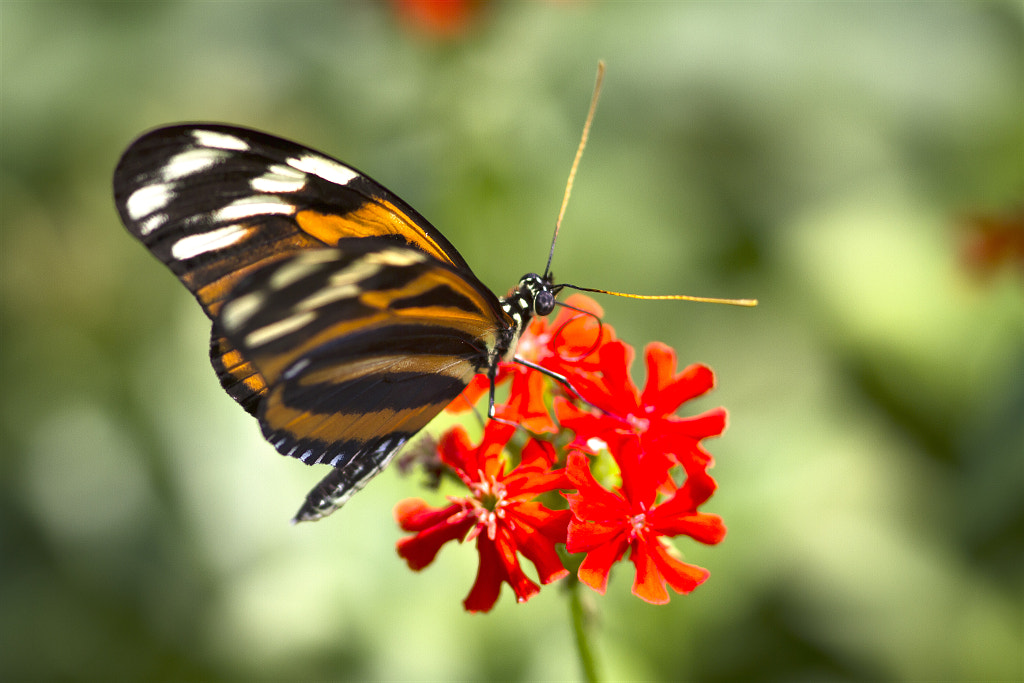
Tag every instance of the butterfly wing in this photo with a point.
(216, 203)
(342, 354)
(361, 346)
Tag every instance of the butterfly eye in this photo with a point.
(544, 303)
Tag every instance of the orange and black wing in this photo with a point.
(342, 319)
(361, 346)
(216, 203)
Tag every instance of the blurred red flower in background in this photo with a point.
(439, 18)
(993, 240)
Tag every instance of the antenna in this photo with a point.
(565, 203)
(576, 162)
(665, 297)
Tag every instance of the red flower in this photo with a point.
(499, 513)
(607, 523)
(440, 18)
(993, 241)
(648, 416)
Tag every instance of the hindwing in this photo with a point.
(360, 346)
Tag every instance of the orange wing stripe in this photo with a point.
(339, 427)
(372, 219)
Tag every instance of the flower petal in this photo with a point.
(471, 395)
(420, 550)
(453, 448)
(413, 514)
(616, 357)
(648, 585)
(498, 563)
(598, 563)
(526, 405)
(682, 577)
(700, 526)
(592, 502)
(585, 535)
(703, 426)
(694, 381)
(540, 550)
(489, 576)
(661, 370)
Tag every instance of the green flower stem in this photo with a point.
(581, 621)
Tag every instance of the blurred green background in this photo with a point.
(823, 158)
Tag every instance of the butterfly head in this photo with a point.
(534, 295)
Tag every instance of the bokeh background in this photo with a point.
(858, 167)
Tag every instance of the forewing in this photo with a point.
(216, 203)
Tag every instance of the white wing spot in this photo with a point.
(257, 205)
(295, 368)
(326, 296)
(325, 168)
(279, 329)
(194, 245)
(237, 312)
(190, 162)
(286, 171)
(342, 285)
(209, 138)
(306, 264)
(152, 223)
(396, 257)
(279, 179)
(148, 199)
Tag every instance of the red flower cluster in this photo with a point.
(632, 435)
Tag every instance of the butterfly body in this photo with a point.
(342, 320)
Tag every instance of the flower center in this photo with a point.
(638, 524)
(489, 504)
(639, 424)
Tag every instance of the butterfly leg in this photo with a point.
(490, 400)
(561, 379)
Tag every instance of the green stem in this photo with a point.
(580, 622)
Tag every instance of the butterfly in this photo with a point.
(343, 321)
